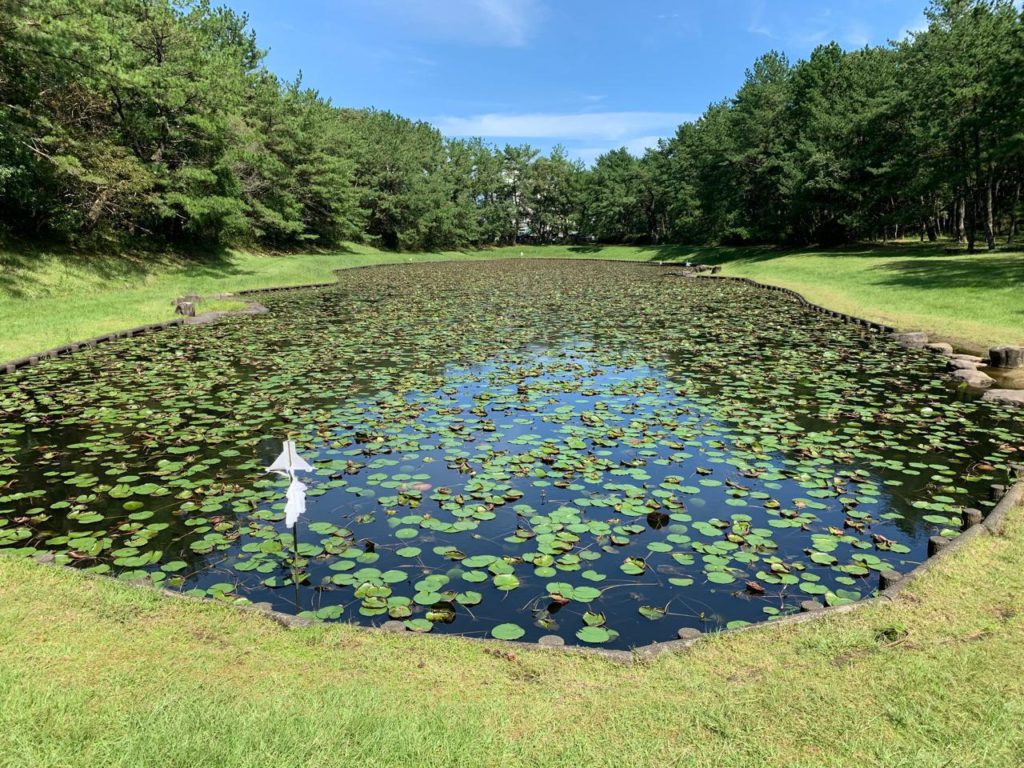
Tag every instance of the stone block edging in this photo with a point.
(992, 525)
(912, 339)
(282, 289)
(799, 298)
(29, 360)
(24, 362)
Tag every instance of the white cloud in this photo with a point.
(509, 17)
(504, 23)
(622, 127)
(641, 144)
(803, 30)
(585, 135)
(757, 25)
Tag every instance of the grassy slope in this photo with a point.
(48, 300)
(93, 672)
(972, 300)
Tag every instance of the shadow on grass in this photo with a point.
(24, 267)
(724, 254)
(921, 258)
(669, 253)
(994, 272)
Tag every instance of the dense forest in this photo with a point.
(157, 121)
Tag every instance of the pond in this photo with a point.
(605, 452)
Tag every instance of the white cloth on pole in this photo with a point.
(296, 504)
(289, 460)
(287, 464)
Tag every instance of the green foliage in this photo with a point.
(158, 120)
(921, 137)
(147, 119)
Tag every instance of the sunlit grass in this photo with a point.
(99, 673)
(974, 300)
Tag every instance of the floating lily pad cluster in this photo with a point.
(605, 452)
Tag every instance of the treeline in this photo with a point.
(157, 121)
(924, 138)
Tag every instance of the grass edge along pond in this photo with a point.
(106, 673)
(99, 672)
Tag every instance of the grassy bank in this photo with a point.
(974, 300)
(99, 673)
(52, 299)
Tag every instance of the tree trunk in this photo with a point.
(959, 213)
(972, 221)
(990, 217)
(96, 210)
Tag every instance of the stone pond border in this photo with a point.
(891, 584)
(27, 361)
(76, 346)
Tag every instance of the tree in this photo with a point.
(556, 192)
(957, 70)
(157, 121)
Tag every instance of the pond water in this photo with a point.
(606, 452)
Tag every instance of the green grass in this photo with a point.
(95, 672)
(971, 300)
(47, 300)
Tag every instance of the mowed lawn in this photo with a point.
(94, 672)
(973, 300)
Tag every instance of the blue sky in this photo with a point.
(590, 74)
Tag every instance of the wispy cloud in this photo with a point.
(757, 25)
(857, 34)
(806, 29)
(594, 126)
(585, 135)
(798, 27)
(504, 23)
